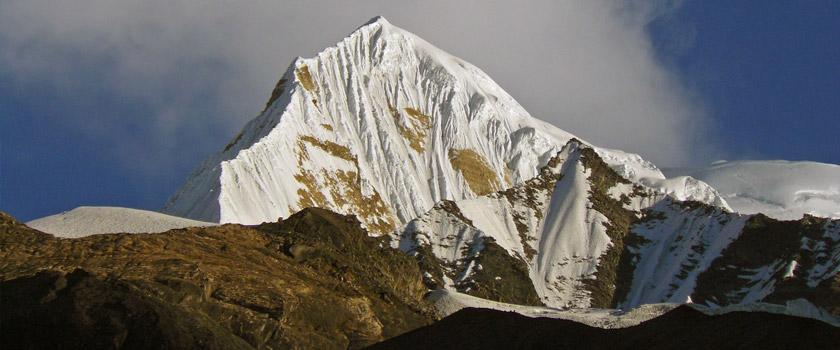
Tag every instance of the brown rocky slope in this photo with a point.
(314, 280)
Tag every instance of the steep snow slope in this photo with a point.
(383, 125)
(588, 237)
(559, 225)
(86, 221)
(572, 236)
(779, 189)
(679, 243)
(689, 252)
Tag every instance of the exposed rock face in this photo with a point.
(78, 310)
(681, 328)
(689, 250)
(777, 260)
(314, 280)
(566, 228)
(588, 237)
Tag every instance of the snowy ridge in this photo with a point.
(549, 223)
(779, 189)
(86, 221)
(645, 247)
(383, 125)
(388, 107)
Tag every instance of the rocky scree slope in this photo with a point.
(314, 280)
(581, 235)
(384, 125)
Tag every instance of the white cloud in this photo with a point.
(189, 74)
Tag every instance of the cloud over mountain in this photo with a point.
(153, 80)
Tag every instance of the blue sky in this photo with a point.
(769, 72)
(115, 105)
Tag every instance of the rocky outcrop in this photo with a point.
(314, 280)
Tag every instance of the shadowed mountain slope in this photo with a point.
(682, 328)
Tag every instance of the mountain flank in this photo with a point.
(314, 280)
(581, 235)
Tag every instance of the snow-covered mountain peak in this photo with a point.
(379, 19)
(780, 189)
(382, 125)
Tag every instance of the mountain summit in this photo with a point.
(384, 125)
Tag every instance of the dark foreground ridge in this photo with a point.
(315, 280)
(682, 328)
